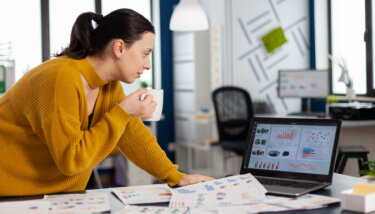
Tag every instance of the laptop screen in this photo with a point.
(292, 145)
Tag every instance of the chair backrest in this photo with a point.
(233, 109)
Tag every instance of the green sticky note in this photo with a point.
(274, 39)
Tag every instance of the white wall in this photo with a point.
(242, 59)
(321, 33)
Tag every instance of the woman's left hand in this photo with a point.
(193, 179)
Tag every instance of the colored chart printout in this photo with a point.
(234, 190)
(152, 209)
(317, 143)
(166, 210)
(143, 194)
(270, 204)
(283, 143)
(78, 203)
(25, 207)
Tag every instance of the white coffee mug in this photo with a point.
(157, 95)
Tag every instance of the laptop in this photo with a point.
(291, 156)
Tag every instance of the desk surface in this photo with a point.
(339, 183)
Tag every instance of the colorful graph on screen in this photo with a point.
(308, 152)
(318, 137)
(307, 166)
(267, 165)
(285, 135)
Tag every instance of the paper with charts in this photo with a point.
(234, 190)
(182, 210)
(143, 194)
(29, 207)
(270, 204)
(78, 203)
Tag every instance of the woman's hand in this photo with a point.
(193, 179)
(134, 106)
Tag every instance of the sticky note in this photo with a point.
(274, 39)
(363, 189)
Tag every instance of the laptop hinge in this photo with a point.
(289, 179)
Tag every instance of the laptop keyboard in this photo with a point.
(295, 184)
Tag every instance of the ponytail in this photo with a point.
(124, 24)
(80, 38)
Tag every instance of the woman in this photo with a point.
(66, 115)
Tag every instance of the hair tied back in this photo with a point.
(98, 18)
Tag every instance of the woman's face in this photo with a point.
(136, 58)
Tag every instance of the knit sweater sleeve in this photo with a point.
(73, 148)
(140, 146)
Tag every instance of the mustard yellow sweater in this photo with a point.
(45, 144)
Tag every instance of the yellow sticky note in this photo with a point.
(364, 189)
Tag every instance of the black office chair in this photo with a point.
(233, 109)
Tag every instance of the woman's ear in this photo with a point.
(119, 48)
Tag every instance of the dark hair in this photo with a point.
(125, 24)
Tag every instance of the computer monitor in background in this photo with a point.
(303, 84)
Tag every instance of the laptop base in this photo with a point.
(289, 191)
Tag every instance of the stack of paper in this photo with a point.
(271, 204)
(236, 194)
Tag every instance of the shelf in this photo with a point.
(359, 98)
